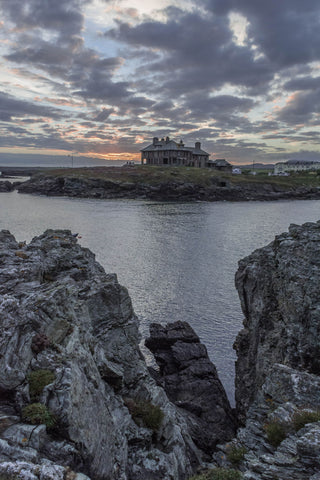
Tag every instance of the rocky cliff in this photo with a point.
(76, 397)
(278, 287)
(277, 370)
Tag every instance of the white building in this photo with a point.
(296, 166)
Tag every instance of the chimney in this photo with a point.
(155, 140)
(198, 145)
(167, 139)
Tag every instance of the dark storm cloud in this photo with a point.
(11, 107)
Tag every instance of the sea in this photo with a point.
(177, 260)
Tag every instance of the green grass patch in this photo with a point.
(145, 414)
(38, 414)
(154, 175)
(39, 379)
(219, 474)
(300, 419)
(235, 455)
(276, 432)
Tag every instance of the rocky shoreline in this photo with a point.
(171, 190)
(78, 402)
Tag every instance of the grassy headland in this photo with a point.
(154, 175)
(171, 183)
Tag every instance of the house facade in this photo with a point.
(169, 152)
(295, 166)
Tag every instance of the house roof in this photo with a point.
(166, 144)
(221, 162)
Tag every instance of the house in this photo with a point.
(169, 152)
(296, 166)
(220, 164)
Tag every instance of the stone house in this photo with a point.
(169, 152)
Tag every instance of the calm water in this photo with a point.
(177, 260)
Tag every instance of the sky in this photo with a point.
(101, 78)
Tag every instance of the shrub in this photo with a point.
(235, 454)
(39, 379)
(276, 433)
(219, 474)
(300, 419)
(145, 413)
(38, 414)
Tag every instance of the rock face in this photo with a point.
(281, 437)
(192, 383)
(279, 291)
(277, 371)
(6, 186)
(69, 343)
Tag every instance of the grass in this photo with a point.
(219, 474)
(38, 414)
(39, 379)
(300, 419)
(145, 414)
(235, 455)
(201, 176)
(276, 432)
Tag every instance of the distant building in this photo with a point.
(220, 164)
(236, 171)
(169, 152)
(295, 166)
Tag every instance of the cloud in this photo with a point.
(302, 108)
(11, 108)
(210, 72)
(196, 52)
(286, 32)
(63, 16)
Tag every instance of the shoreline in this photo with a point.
(162, 184)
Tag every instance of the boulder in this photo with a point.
(191, 382)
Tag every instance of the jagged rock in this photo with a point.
(192, 383)
(6, 186)
(60, 312)
(278, 287)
